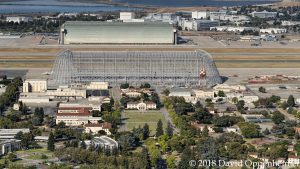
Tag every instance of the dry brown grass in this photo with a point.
(30, 50)
(170, 48)
(258, 64)
(175, 9)
(27, 57)
(219, 65)
(210, 50)
(255, 57)
(254, 60)
(252, 50)
(26, 65)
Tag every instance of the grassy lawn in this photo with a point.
(30, 155)
(35, 154)
(38, 151)
(136, 119)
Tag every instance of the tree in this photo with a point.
(297, 147)
(240, 105)
(205, 132)
(221, 93)
(145, 85)
(266, 131)
(262, 89)
(27, 140)
(226, 121)
(186, 156)
(171, 161)
(291, 101)
(51, 141)
(96, 113)
(124, 86)
(249, 130)
(19, 135)
(106, 107)
(203, 116)
(159, 128)
(61, 125)
(166, 92)
(146, 131)
(169, 129)
(83, 145)
(207, 148)
(277, 117)
(145, 160)
(235, 100)
(12, 157)
(38, 117)
(126, 141)
(297, 136)
(92, 146)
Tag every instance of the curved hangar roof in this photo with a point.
(78, 32)
(159, 68)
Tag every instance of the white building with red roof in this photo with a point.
(141, 105)
(76, 116)
(95, 128)
(294, 160)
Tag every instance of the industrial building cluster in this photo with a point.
(76, 102)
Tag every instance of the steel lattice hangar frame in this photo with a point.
(159, 68)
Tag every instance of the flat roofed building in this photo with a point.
(228, 88)
(18, 19)
(11, 133)
(66, 92)
(141, 105)
(264, 14)
(7, 146)
(76, 116)
(204, 94)
(2, 88)
(74, 110)
(186, 94)
(97, 86)
(127, 15)
(77, 107)
(35, 85)
(96, 128)
(200, 14)
(133, 94)
(81, 32)
(215, 15)
(200, 25)
(273, 31)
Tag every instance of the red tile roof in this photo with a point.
(81, 109)
(297, 129)
(74, 114)
(103, 125)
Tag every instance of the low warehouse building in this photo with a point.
(11, 133)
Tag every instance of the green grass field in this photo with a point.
(136, 119)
